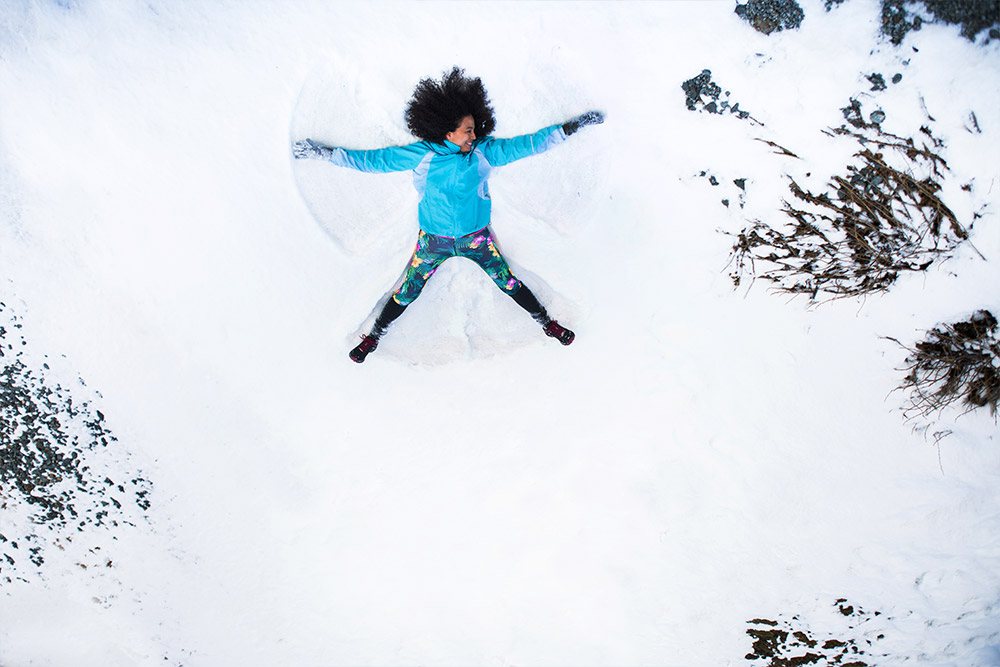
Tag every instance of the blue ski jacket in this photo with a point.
(453, 188)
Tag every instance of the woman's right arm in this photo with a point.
(379, 160)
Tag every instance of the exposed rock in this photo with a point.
(54, 475)
(899, 17)
(877, 81)
(769, 16)
(732, 195)
(852, 114)
(703, 94)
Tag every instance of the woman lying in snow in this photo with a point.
(451, 167)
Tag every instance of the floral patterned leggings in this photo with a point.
(432, 250)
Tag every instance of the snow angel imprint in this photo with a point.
(451, 166)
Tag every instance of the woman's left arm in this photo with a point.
(499, 152)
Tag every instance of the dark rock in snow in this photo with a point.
(698, 87)
(899, 17)
(730, 194)
(897, 22)
(974, 16)
(852, 113)
(702, 94)
(877, 81)
(51, 439)
(769, 16)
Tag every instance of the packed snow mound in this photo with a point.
(463, 316)
(339, 105)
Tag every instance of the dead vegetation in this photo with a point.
(791, 641)
(955, 363)
(875, 221)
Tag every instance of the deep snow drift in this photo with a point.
(474, 493)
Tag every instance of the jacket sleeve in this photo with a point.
(381, 160)
(499, 152)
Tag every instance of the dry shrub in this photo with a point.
(957, 362)
(874, 222)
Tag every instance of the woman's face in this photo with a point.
(464, 134)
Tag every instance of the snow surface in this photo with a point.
(475, 494)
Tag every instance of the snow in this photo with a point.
(475, 494)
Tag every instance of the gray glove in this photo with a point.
(307, 149)
(589, 118)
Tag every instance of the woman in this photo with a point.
(451, 166)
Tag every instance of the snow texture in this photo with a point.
(476, 494)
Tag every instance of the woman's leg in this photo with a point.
(427, 257)
(481, 248)
(525, 298)
(390, 311)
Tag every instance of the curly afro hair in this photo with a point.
(437, 107)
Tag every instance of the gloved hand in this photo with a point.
(589, 118)
(307, 149)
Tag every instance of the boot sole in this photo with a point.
(568, 338)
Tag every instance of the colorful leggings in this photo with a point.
(432, 250)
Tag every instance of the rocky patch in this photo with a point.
(899, 17)
(62, 473)
(703, 94)
(769, 16)
(733, 191)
